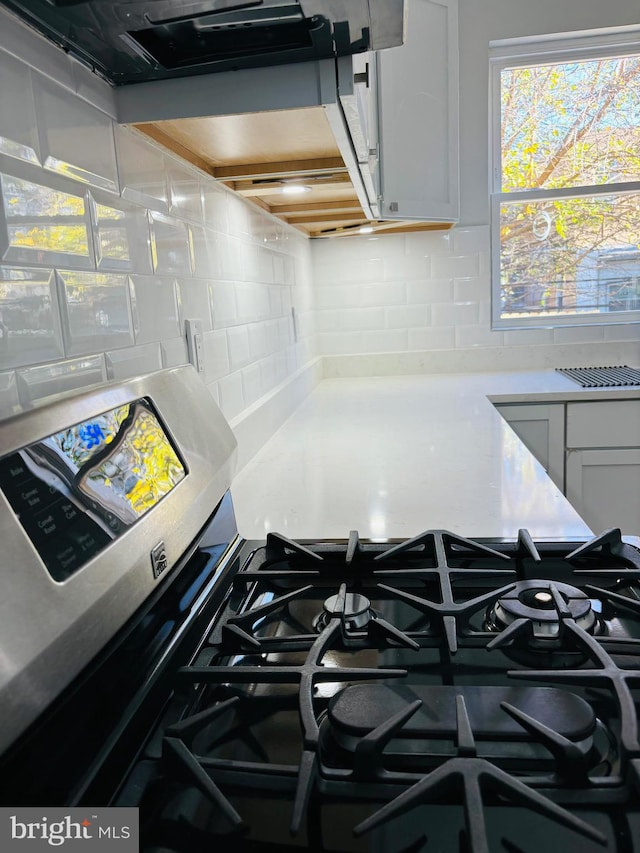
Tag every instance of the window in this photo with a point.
(565, 218)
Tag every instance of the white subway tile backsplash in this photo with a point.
(278, 268)
(76, 139)
(193, 301)
(428, 243)
(232, 265)
(9, 399)
(155, 308)
(281, 365)
(29, 317)
(122, 276)
(265, 265)
(238, 343)
(486, 319)
(185, 195)
(231, 394)
(478, 336)
(275, 300)
(407, 316)
(434, 290)
(174, 352)
(206, 255)
(289, 276)
(578, 335)
(341, 296)
(415, 267)
(171, 248)
(216, 356)
(468, 241)
(337, 343)
(31, 234)
(214, 199)
(92, 88)
(386, 340)
(476, 289)
(455, 313)
(455, 266)
(268, 376)
(528, 337)
(142, 170)
(240, 219)
(432, 338)
(179, 245)
(623, 332)
(352, 270)
(354, 319)
(252, 383)
(284, 332)
(223, 300)
(258, 341)
(272, 335)
(214, 391)
(291, 356)
(120, 235)
(253, 302)
(389, 293)
(133, 361)
(95, 310)
(36, 383)
(18, 130)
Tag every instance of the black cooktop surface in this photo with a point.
(438, 694)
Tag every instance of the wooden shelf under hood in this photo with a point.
(258, 154)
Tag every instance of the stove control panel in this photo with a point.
(79, 489)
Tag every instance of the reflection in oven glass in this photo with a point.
(142, 469)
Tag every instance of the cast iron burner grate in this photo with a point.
(360, 734)
(602, 377)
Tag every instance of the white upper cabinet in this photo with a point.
(418, 116)
(358, 92)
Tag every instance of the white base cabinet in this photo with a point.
(540, 427)
(604, 486)
(603, 463)
(591, 450)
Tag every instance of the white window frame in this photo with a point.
(540, 50)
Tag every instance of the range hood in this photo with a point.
(132, 41)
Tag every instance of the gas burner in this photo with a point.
(356, 611)
(530, 613)
(534, 600)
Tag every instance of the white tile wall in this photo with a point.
(133, 361)
(426, 296)
(186, 247)
(154, 242)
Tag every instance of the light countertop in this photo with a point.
(393, 456)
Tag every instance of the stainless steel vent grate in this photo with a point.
(602, 377)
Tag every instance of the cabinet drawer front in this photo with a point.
(611, 423)
(604, 487)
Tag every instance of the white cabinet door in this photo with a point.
(540, 427)
(610, 423)
(418, 116)
(604, 487)
(358, 93)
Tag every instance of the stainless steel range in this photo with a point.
(441, 693)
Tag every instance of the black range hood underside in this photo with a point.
(130, 42)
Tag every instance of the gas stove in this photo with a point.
(440, 694)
